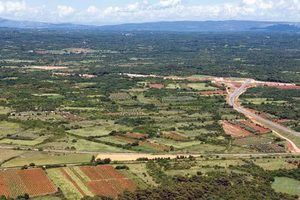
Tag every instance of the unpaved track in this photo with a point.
(276, 128)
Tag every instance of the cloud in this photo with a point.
(12, 7)
(169, 3)
(159, 10)
(92, 10)
(64, 10)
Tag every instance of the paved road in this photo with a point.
(277, 128)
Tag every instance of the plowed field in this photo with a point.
(106, 181)
(32, 181)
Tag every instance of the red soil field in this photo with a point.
(234, 130)
(32, 181)
(136, 135)
(213, 92)
(101, 172)
(256, 127)
(106, 181)
(237, 84)
(156, 85)
(4, 190)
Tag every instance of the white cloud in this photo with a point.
(160, 10)
(12, 7)
(92, 10)
(64, 10)
(169, 3)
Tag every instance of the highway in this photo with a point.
(276, 128)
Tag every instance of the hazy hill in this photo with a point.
(176, 26)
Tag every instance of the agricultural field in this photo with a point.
(74, 121)
(77, 182)
(33, 182)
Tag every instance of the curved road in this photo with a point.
(276, 128)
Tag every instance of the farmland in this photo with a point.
(77, 182)
(98, 114)
(33, 182)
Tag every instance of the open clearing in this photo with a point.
(234, 130)
(286, 185)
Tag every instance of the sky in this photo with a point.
(100, 12)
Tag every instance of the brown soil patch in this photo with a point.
(256, 127)
(234, 130)
(136, 135)
(156, 85)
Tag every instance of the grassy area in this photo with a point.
(137, 180)
(78, 180)
(4, 110)
(286, 185)
(177, 144)
(42, 158)
(140, 170)
(9, 128)
(114, 140)
(204, 148)
(23, 142)
(274, 164)
(47, 198)
(201, 86)
(102, 130)
(84, 145)
(205, 166)
(173, 86)
(7, 154)
(68, 189)
(90, 131)
(259, 101)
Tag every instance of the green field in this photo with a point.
(286, 185)
(24, 142)
(41, 158)
(201, 86)
(69, 190)
(9, 128)
(4, 110)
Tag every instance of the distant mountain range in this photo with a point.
(176, 26)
